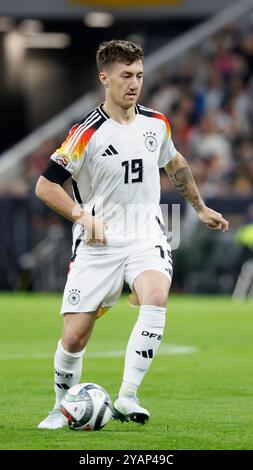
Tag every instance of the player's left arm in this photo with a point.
(181, 175)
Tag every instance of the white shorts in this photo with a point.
(97, 274)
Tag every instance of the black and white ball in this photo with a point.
(87, 406)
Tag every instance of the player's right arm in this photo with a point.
(55, 197)
(64, 163)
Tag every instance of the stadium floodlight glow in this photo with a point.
(99, 19)
(6, 24)
(47, 41)
(14, 46)
(30, 27)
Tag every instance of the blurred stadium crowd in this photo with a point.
(207, 96)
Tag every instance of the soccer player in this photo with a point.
(113, 157)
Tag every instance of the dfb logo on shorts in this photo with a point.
(74, 296)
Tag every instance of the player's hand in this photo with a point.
(95, 231)
(94, 228)
(213, 220)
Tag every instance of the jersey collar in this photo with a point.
(106, 116)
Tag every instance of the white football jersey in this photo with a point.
(115, 171)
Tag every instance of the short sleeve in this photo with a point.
(71, 154)
(168, 150)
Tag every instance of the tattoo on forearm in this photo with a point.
(185, 184)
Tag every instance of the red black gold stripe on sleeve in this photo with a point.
(74, 146)
(154, 114)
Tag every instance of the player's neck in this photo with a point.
(119, 114)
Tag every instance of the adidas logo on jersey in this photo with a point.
(110, 151)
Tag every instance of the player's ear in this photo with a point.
(103, 77)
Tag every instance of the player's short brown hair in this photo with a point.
(118, 50)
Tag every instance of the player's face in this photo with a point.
(123, 83)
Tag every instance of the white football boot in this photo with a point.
(55, 420)
(127, 408)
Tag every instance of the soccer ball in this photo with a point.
(87, 406)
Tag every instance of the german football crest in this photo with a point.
(150, 141)
(74, 296)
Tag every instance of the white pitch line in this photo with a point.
(165, 350)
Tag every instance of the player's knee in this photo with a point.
(159, 299)
(73, 342)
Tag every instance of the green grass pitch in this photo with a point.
(199, 398)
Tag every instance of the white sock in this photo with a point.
(142, 346)
(67, 371)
